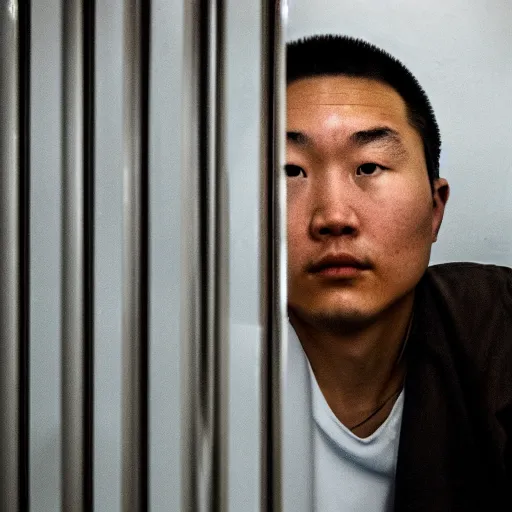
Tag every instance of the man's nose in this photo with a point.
(334, 214)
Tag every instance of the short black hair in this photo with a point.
(343, 55)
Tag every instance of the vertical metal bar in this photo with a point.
(219, 237)
(14, 258)
(205, 261)
(136, 231)
(274, 253)
(191, 260)
(77, 254)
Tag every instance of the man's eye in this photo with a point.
(293, 171)
(369, 169)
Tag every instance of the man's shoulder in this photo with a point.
(474, 303)
(471, 281)
(470, 268)
(472, 293)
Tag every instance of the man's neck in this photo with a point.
(357, 369)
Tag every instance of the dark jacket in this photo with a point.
(455, 451)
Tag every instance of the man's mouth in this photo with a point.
(342, 265)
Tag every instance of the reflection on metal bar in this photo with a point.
(77, 254)
(14, 258)
(273, 237)
(205, 262)
(135, 272)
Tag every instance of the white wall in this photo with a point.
(165, 250)
(461, 53)
(45, 220)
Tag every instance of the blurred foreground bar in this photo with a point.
(274, 253)
(77, 253)
(135, 259)
(14, 253)
(205, 261)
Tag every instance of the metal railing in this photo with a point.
(77, 318)
(205, 262)
(205, 256)
(135, 468)
(14, 257)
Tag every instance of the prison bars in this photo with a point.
(206, 334)
(135, 468)
(273, 253)
(14, 257)
(204, 346)
(77, 254)
(205, 261)
(78, 250)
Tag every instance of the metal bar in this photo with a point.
(205, 261)
(274, 253)
(77, 254)
(219, 237)
(136, 231)
(14, 255)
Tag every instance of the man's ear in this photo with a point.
(441, 193)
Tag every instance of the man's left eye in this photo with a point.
(368, 169)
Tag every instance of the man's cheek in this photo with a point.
(407, 221)
(294, 245)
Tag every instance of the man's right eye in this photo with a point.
(294, 171)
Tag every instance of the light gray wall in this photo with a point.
(108, 256)
(45, 221)
(460, 51)
(165, 250)
(243, 42)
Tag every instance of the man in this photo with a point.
(411, 367)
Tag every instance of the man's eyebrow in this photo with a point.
(299, 138)
(382, 134)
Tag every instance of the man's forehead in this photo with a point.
(342, 91)
(335, 107)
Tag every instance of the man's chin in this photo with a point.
(333, 320)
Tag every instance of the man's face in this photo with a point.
(361, 213)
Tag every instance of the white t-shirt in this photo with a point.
(353, 473)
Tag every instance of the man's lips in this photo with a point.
(342, 265)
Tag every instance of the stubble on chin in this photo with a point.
(334, 322)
